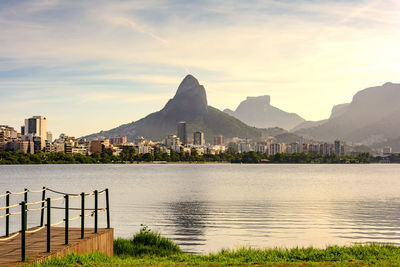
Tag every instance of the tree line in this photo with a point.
(129, 156)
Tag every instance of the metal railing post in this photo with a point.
(26, 201)
(48, 225)
(96, 202)
(42, 211)
(108, 209)
(23, 229)
(26, 195)
(82, 215)
(7, 212)
(66, 218)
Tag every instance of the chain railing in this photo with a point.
(45, 204)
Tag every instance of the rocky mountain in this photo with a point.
(307, 124)
(339, 110)
(189, 104)
(336, 110)
(258, 112)
(371, 117)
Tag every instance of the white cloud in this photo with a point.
(308, 56)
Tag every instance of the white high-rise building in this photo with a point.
(36, 126)
(276, 148)
(261, 147)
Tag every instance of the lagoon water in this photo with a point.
(206, 207)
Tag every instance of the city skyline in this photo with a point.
(117, 62)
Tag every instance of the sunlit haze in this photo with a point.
(93, 65)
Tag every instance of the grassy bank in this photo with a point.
(147, 248)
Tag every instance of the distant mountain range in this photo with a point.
(336, 110)
(371, 117)
(257, 111)
(189, 104)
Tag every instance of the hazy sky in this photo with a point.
(93, 65)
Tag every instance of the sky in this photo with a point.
(94, 65)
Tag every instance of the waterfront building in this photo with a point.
(68, 146)
(176, 148)
(119, 140)
(58, 147)
(7, 133)
(198, 138)
(245, 147)
(37, 143)
(387, 150)
(233, 147)
(23, 146)
(327, 149)
(49, 137)
(261, 147)
(314, 148)
(36, 126)
(128, 148)
(301, 144)
(106, 143)
(215, 149)
(343, 150)
(143, 149)
(182, 132)
(304, 148)
(275, 148)
(159, 148)
(140, 140)
(49, 148)
(171, 141)
(96, 147)
(218, 140)
(339, 148)
(293, 148)
(80, 149)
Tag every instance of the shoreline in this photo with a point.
(148, 248)
(199, 163)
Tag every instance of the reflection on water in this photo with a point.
(377, 221)
(209, 207)
(193, 224)
(188, 220)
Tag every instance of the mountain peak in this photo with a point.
(189, 104)
(257, 111)
(190, 99)
(187, 84)
(264, 99)
(388, 84)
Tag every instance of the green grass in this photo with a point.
(148, 248)
(146, 242)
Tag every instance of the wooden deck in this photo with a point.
(10, 251)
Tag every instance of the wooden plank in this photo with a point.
(10, 251)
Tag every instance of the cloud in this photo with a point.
(135, 27)
(319, 52)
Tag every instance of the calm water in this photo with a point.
(208, 207)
